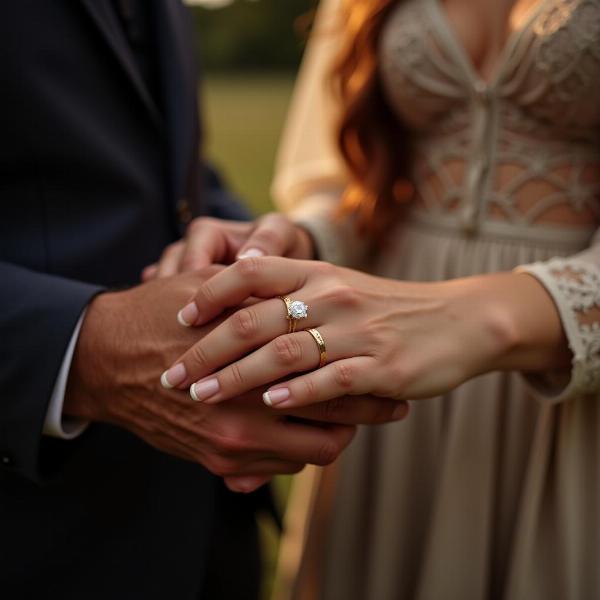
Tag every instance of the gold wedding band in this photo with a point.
(321, 344)
(296, 310)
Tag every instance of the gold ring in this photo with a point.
(296, 310)
(321, 344)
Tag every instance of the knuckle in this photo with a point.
(199, 357)
(231, 441)
(310, 391)
(344, 375)
(343, 295)
(245, 323)
(327, 453)
(288, 350)
(235, 376)
(250, 267)
(206, 294)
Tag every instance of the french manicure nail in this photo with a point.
(400, 412)
(275, 397)
(174, 376)
(250, 253)
(202, 390)
(188, 314)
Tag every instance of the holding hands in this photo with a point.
(382, 337)
(208, 241)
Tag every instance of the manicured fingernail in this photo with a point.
(275, 397)
(400, 412)
(202, 390)
(174, 376)
(250, 253)
(188, 314)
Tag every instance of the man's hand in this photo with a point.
(127, 338)
(208, 241)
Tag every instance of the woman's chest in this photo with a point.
(434, 58)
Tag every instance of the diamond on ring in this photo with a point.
(298, 310)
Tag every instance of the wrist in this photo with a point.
(86, 384)
(518, 321)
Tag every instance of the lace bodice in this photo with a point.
(517, 154)
(522, 148)
(503, 168)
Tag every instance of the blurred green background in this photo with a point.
(249, 52)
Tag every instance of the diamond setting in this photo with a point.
(298, 310)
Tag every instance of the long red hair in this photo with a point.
(370, 137)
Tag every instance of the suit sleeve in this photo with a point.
(219, 201)
(38, 313)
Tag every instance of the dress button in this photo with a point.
(184, 211)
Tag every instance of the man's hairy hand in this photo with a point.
(126, 340)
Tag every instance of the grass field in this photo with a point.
(244, 116)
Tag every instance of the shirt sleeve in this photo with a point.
(310, 176)
(574, 285)
(55, 424)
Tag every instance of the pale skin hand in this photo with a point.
(387, 338)
(125, 340)
(208, 241)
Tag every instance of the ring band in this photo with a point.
(321, 344)
(296, 310)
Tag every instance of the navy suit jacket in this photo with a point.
(95, 180)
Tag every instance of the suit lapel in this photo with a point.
(104, 18)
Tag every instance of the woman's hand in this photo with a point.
(208, 241)
(386, 338)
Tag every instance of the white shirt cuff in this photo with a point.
(55, 424)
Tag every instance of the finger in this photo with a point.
(205, 244)
(351, 376)
(149, 272)
(245, 330)
(168, 264)
(246, 484)
(274, 235)
(291, 353)
(353, 410)
(310, 444)
(267, 468)
(261, 277)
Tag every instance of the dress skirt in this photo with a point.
(483, 493)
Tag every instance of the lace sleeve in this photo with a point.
(574, 284)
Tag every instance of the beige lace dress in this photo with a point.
(493, 490)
